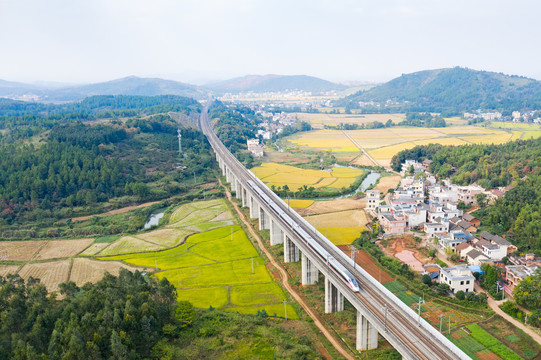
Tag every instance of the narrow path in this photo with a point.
(495, 305)
(338, 345)
(361, 148)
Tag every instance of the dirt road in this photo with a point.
(495, 305)
(338, 344)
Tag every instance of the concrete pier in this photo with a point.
(276, 233)
(291, 251)
(334, 300)
(367, 334)
(310, 273)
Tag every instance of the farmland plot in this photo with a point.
(19, 250)
(51, 273)
(87, 270)
(55, 249)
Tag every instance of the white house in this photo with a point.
(458, 278)
(372, 199)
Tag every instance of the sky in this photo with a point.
(199, 41)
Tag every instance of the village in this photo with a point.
(439, 213)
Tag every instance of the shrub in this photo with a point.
(460, 295)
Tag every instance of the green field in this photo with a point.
(213, 266)
(476, 342)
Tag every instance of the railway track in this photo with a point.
(420, 340)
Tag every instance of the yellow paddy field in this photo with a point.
(341, 227)
(319, 120)
(383, 144)
(278, 175)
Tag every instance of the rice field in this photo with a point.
(382, 144)
(51, 273)
(216, 267)
(496, 139)
(318, 120)
(86, 270)
(333, 140)
(347, 218)
(341, 235)
(279, 175)
(55, 249)
(299, 204)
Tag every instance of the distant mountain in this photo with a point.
(275, 83)
(131, 85)
(455, 89)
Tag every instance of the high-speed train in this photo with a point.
(346, 275)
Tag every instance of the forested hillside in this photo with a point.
(453, 90)
(518, 163)
(55, 167)
(234, 125)
(131, 316)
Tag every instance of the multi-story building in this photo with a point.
(458, 278)
(372, 199)
(514, 274)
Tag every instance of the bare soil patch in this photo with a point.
(387, 182)
(366, 262)
(51, 273)
(115, 212)
(485, 355)
(87, 270)
(19, 250)
(62, 248)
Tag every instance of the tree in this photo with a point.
(185, 313)
(442, 289)
(427, 279)
(460, 295)
(119, 351)
(528, 292)
(481, 199)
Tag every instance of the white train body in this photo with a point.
(331, 261)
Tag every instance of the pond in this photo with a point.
(154, 218)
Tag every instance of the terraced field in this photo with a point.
(216, 266)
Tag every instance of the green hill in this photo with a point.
(276, 83)
(455, 89)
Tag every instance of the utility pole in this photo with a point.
(421, 301)
(285, 308)
(179, 142)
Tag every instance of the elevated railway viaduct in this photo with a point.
(378, 310)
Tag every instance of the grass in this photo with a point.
(106, 239)
(256, 294)
(277, 309)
